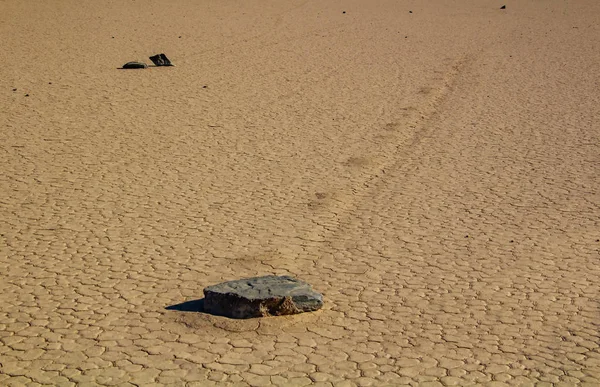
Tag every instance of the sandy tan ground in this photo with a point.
(434, 174)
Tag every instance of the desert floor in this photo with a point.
(434, 173)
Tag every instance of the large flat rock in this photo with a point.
(260, 297)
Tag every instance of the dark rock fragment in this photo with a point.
(260, 297)
(160, 60)
(135, 65)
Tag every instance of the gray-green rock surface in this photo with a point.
(135, 65)
(260, 297)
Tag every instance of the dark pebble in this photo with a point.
(26, 95)
(49, 83)
(180, 37)
(511, 241)
(135, 65)
(466, 236)
(14, 89)
(204, 87)
(503, 7)
(344, 12)
(409, 11)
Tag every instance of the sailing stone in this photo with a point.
(261, 297)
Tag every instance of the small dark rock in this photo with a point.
(409, 11)
(503, 7)
(180, 37)
(26, 95)
(261, 297)
(344, 12)
(161, 60)
(511, 241)
(135, 65)
(14, 89)
(204, 87)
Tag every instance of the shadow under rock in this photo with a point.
(189, 306)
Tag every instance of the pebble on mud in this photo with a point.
(160, 60)
(135, 65)
(261, 297)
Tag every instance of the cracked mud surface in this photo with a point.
(433, 174)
